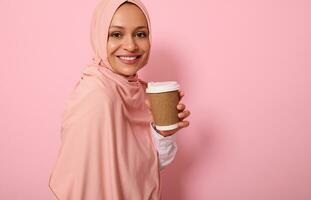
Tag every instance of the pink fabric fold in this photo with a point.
(106, 149)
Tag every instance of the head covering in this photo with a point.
(106, 150)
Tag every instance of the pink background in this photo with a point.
(244, 65)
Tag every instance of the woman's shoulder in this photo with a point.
(89, 97)
(92, 75)
(91, 87)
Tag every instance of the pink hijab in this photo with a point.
(106, 150)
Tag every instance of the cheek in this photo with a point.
(145, 46)
(111, 47)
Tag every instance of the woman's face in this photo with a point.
(128, 43)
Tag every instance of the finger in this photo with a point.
(170, 132)
(183, 124)
(181, 106)
(181, 94)
(184, 114)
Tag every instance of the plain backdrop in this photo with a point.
(245, 67)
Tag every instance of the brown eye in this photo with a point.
(115, 35)
(141, 34)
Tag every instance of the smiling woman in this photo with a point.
(109, 148)
(128, 42)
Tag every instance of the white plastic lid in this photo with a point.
(159, 87)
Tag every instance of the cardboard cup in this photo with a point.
(164, 98)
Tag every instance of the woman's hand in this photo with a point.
(182, 114)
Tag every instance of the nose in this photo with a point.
(130, 44)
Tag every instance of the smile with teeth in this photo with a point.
(128, 57)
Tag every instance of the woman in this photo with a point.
(109, 149)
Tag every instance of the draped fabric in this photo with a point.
(106, 149)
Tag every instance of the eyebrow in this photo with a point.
(121, 27)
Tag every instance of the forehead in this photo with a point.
(129, 15)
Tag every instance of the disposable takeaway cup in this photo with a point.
(164, 98)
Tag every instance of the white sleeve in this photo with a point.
(166, 147)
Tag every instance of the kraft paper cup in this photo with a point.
(164, 97)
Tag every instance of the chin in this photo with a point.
(129, 72)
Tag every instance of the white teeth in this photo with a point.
(128, 57)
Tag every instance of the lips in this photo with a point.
(129, 59)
